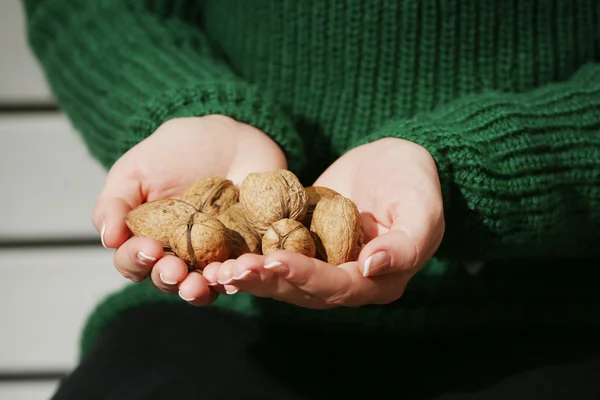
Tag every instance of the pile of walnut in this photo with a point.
(216, 221)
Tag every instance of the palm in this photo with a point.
(394, 185)
(370, 185)
(185, 151)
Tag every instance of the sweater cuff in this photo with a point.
(240, 101)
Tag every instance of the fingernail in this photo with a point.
(212, 283)
(379, 260)
(225, 282)
(162, 278)
(272, 265)
(232, 291)
(242, 276)
(144, 258)
(193, 298)
(102, 232)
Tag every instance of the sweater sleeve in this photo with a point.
(120, 68)
(520, 172)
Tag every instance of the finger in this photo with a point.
(249, 267)
(136, 257)
(211, 276)
(225, 277)
(333, 285)
(250, 276)
(167, 273)
(118, 197)
(416, 232)
(231, 289)
(195, 291)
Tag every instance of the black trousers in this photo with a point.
(181, 352)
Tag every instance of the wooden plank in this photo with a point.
(27, 390)
(49, 181)
(21, 78)
(47, 294)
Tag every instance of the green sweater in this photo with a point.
(504, 94)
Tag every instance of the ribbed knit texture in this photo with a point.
(504, 94)
(121, 68)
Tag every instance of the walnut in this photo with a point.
(155, 219)
(313, 195)
(291, 235)
(200, 240)
(245, 240)
(211, 196)
(268, 197)
(338, 230)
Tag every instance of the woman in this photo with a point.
(473, 122)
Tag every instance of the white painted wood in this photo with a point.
(48, 180)
(21, 78)
(27, 390)
(45, 297)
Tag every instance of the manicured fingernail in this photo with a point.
(212, 283)
(242, 276)
(232, 291)
(162, 278)
(193, 298)
(144, 258)
(379, 260)
(102, 232)
(272, 265)
(225, 282)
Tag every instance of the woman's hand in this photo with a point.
(179, 153)
(395, 185)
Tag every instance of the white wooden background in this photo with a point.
(48, 184)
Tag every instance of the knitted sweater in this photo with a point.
(504, 94)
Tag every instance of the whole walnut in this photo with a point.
(244, 238)
(155, 219)
(291, 235)
(338, 230)
(268, 197)
(211, 196)
(200, 240)
(313, 195)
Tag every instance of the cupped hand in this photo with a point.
(396, 187)
(179, 153)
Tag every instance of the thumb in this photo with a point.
(414, 236)
(117, 198)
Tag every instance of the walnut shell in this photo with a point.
(338, 229)
(211, 196)
(155, 219)
(244, 239)
(291, 235)
(200, 240)
(313, 195)
(268, 197)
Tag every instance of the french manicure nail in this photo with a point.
(379, 260)
(367, 266)
(193, 298)
(228, 281)
(232, 291)
(272, 265)
(102, 232)
(242, 276)
(162, 278)
(144, 258)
